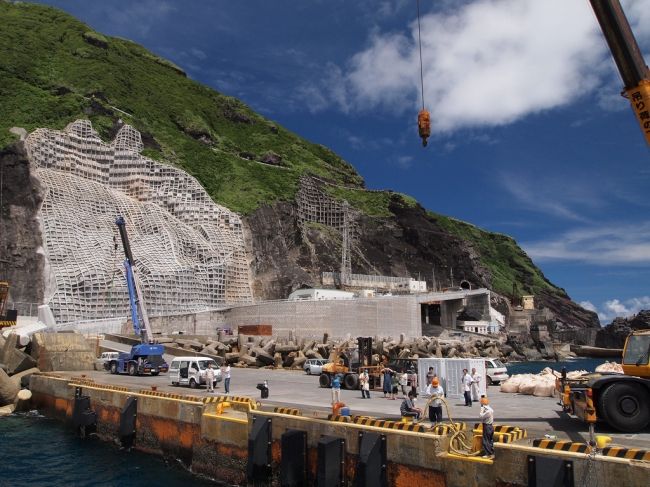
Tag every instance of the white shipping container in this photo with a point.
(450, 373)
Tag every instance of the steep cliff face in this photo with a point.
(410, 242)
(21, 257)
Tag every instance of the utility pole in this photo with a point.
(434, 285)
(346, 261)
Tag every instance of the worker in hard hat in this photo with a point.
(435, 405)
(487, 419)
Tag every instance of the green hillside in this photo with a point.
(55, 69)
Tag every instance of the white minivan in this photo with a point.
(190, 371)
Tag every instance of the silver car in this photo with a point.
(314, 366)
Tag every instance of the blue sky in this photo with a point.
(531, 136)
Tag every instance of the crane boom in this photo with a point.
(136, 300)
(628, 58)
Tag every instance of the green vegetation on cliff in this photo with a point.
(55, 69)
(501, 255)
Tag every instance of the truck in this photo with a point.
(349, 363)
(145, 357)
(619, 400)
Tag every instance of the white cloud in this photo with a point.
(487, 62)
(558, 198)
(615, 308)
(617, 244)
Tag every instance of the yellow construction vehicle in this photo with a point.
(343, 362)
(620, 400)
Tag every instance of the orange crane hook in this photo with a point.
(424, 126)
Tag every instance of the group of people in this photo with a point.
(470, 383)
(210, 374)
(393, 381)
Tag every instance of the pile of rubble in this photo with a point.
(291, 352)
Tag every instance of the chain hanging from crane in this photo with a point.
(424, 119)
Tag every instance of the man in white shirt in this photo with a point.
(226, 381)
(466, 381)
(476, 380)
(435, 406)
(487, 419)
(209, 378)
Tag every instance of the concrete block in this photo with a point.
(17, 361)
(8, 389)
(62, 351)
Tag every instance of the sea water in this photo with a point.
(36, 452)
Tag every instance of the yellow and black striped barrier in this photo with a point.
(445, 429)
(395, 425)
(339, 418)
(169, 395)
(562, 445)
(503, 433)
(628, 453)
(233, 399)
(291, 411)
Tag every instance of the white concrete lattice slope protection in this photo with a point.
(189, 251)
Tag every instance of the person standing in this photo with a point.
(413, 380)
(435, 406)
(403, 381)
(430, 375)
(487, 419)
(364, 379)
(226, 380)
(476, 380)
(387, 380)
(466, 383)
(395, 386)
(336, 389)
(209, 378)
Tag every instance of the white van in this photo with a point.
(190, 371)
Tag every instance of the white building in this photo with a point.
(319, 294)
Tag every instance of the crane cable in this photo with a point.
(420, 45)
(424, 118)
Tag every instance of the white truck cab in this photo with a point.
(190, 371)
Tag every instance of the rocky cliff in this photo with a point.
(614, 334)
(21, 254)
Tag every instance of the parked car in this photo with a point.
(102, 362)
(495, 371)
(190, 371)
(314, 366)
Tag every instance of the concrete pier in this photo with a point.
(212, 438)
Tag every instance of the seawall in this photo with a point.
(235, 439)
